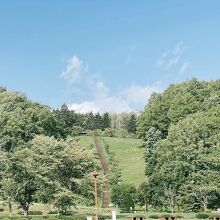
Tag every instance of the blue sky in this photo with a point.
(106, 55)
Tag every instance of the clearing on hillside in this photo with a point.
(128, 153)
(130, 157)
(86, 141)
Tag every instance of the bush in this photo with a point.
(63, 201)
(54, 212)
(35, 213)
(70, 213)
(102, 217)
(154, 216)
(123, 196)
(76, 130)
(179, 216)
(109, 132)
(202, 215)
(166, 215)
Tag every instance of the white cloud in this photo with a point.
(83, 107)
(123, 101)
(139, 94)
(74, 70)
(101, 98)
(108, 104)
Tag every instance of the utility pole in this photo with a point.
(95, 174)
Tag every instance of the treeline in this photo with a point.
(181, 131)
(107, 124)
(39, 160)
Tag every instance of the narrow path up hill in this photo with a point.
(105, 168)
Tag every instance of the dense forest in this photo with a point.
(181, 131)
(39, 161)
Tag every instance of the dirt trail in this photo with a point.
(104, 164)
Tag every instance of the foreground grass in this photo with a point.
(82, 212)
(130, 157)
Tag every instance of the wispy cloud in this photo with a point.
(184, 67)
(99, 97)
(173, 59)
(74, 70)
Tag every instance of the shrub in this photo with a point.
(102, 217)
(52, 212)
(109, 132)
(123, 196)
(202, 215)
(166, 215)
(35, 213)
(63, 201)
(179, 216)
(154, 216)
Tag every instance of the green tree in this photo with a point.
(153, 135)
(61, 165)
(106, 121)
(21, 120)
(98, 121)
(90, 121)
(143, 195)
(63, 201)
(189, 156)
(18, 171)
(131, 124)
(44, 169)
(176, 102)
(124, 196)
(66, 119)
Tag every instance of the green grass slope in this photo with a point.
(86, 142)
(130, 157)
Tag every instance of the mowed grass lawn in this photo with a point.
(130, 157)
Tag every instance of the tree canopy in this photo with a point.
(180, 128)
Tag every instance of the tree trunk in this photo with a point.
(146, 207)
(10, 208)
(25, 209)
(205, 207)
(205, 204)
(172, 210)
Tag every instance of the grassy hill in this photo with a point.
(86, 142)
(129, 154)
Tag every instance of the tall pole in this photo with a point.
(95, 174)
